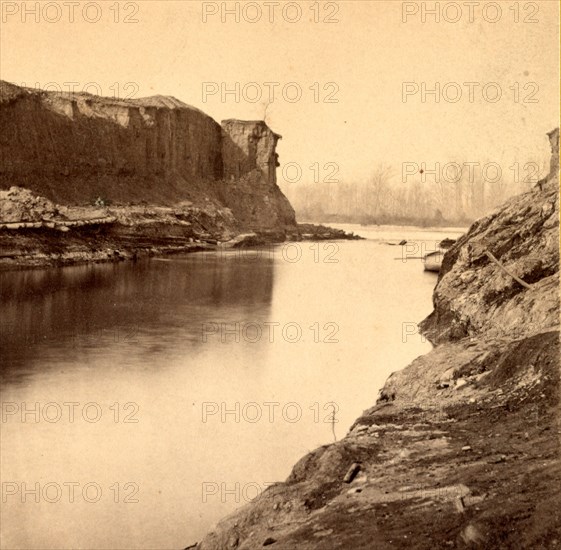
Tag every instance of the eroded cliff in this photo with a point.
(77, 148)
(87, 178)
(250, 165)
(462, 448)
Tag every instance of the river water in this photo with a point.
(142, 402)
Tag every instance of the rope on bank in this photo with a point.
(517, 279)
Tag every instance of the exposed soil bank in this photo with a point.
(86, 178)
(76, 149)
(462, 448)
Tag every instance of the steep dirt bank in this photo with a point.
(462, 448)
(76, 148)
(86, 178)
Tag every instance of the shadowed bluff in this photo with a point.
(75, 148)
(87, 178)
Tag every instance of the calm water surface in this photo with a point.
(142, 388)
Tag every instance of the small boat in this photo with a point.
(433, 260)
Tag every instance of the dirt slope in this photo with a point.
(76, 148)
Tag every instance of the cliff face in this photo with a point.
(74, 148)
(249, 145)
(250, 169)
(462, 448)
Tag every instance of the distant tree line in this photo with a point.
(391, 196)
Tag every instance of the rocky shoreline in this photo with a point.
(462, 447)
(37, 233)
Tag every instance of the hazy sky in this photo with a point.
(362, 60)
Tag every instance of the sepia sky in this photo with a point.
(361, 59)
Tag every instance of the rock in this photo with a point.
(360, 429)
(351, 472)
(268, 541)
(547, 209)
(447, 243)
(472, 535)
(311, 232)
(323, 533)
(106, 150)
(467, 276)
(242, 240)
(460, 382)
(466, 448)
(469, 295)
(21, 205)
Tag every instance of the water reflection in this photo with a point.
(46, 313)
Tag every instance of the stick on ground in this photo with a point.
(518, 280)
